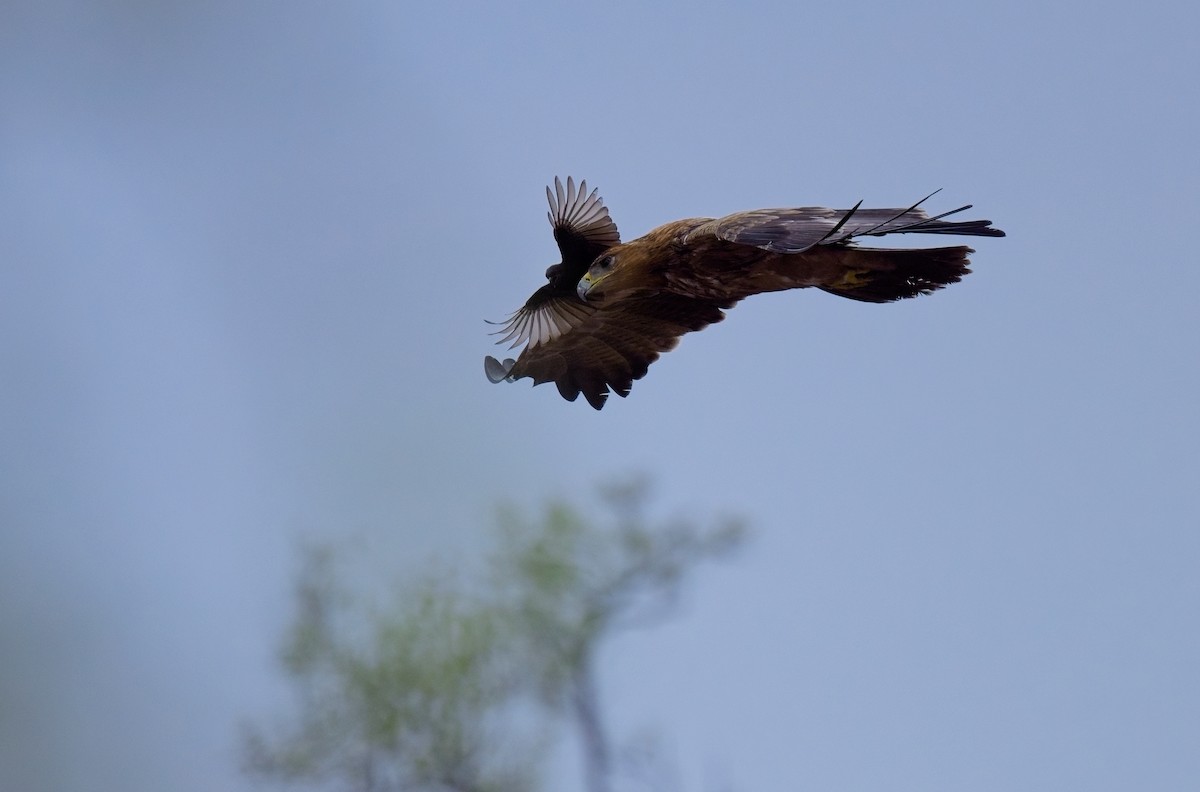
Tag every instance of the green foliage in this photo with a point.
(435, 693)
(419, 703)
(570, 583)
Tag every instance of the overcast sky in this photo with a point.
(246, 252)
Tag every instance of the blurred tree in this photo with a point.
(436, 694)
(570, 586)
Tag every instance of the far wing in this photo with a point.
(797, 230)
(615, 345)
(582, 227)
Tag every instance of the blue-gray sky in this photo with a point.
(246, 252)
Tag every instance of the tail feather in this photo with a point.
(881, 275)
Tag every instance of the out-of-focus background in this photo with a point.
(246, 251)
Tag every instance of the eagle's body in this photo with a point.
(609, 309)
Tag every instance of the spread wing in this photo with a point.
(611, 347)
(798, 230)
(546, 315)
(582, 227)
(583, 231)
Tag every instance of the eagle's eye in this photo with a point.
(606, 263)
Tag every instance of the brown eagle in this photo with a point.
(608, 310)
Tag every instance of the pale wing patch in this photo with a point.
(797, 230)
(581, 212)
(777, 230)
(544, 323)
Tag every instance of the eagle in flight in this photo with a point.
(608, 309)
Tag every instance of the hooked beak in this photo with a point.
(585, 285)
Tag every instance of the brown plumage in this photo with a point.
(608, 310)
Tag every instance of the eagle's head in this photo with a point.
(632, 268)
(589, 287)
(611, 276)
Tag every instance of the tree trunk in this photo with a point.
(597, 761)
